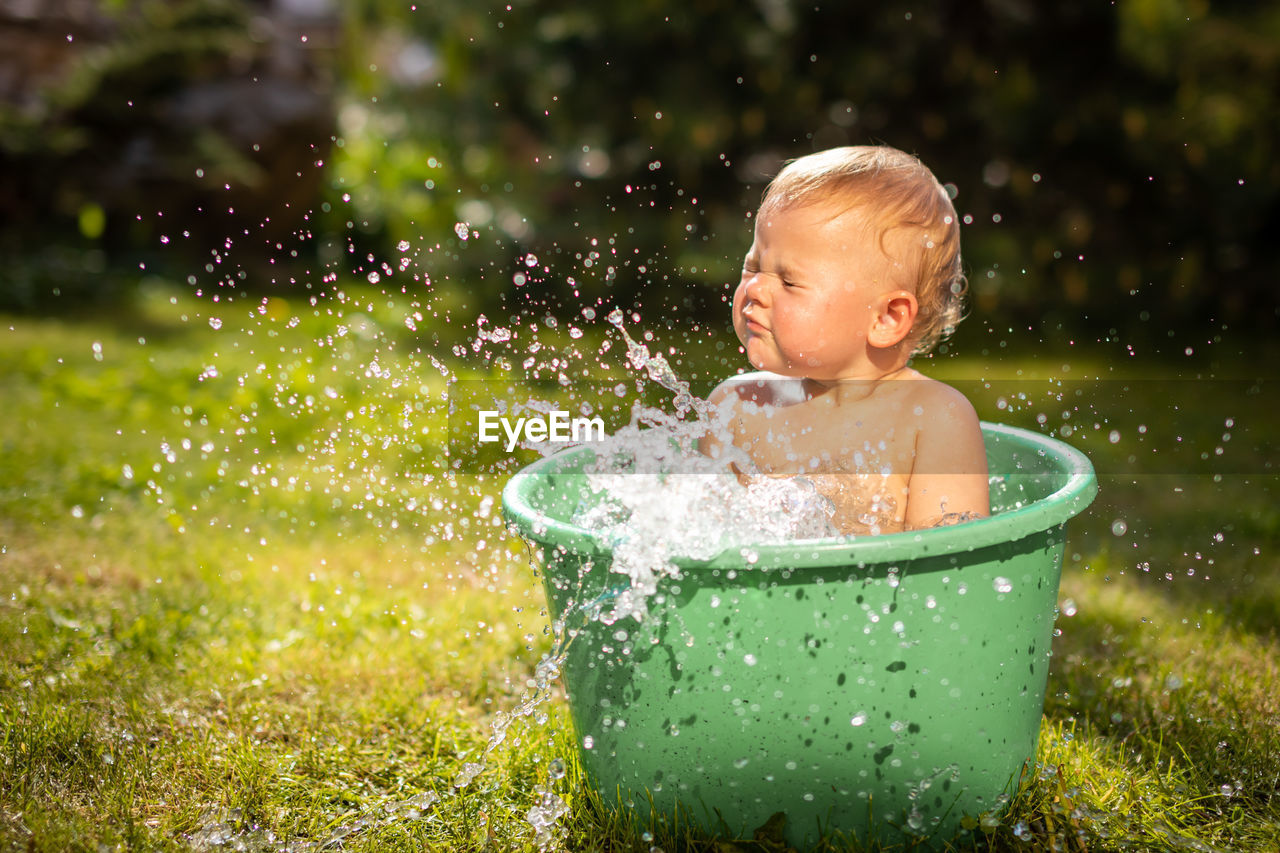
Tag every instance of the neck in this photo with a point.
(850, 388)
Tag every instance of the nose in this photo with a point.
(756, 290)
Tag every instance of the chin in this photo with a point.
(761, 363)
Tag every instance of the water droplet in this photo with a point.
(462, 230)
(469, 772)
(749, 660)
(531, 260)
(557, 768)
(859, 718)
(215, 322)
(1002, 585)
(403, 245)
(1068, 607)
(1114, 436)
(373, 277)
(1119, 527)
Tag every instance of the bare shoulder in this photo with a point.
(949, 439)
(760, 388)
(938, 405)
(732, 400)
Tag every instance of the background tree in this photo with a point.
(1112, 162)
(166, 134)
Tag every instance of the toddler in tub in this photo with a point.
(855, 268)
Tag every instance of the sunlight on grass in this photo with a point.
(243, 597)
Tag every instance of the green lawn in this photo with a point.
(244, 602)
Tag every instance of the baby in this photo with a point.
(854, 269)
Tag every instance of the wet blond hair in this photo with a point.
(897, 191)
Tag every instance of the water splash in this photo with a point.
(354, 457)
(228, 830)
(660, 500)
(547, 809)
(659, 371)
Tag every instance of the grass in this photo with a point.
(244, 600)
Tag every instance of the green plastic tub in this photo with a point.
(877, 688)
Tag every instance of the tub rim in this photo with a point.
(1048, 513)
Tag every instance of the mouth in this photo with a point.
(755, 326)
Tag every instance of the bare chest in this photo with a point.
(861, 462)
(810, 440)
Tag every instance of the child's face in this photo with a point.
(810, 291)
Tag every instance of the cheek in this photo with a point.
(739, 301)
(800, 318)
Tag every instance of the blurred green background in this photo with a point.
(1113, 162)
(246, 587)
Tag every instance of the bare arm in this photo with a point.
(723, 440)
(949, 474)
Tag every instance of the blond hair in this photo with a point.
(900, 192)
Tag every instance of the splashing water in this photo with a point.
(543, 815)
(228, 830)
(660, 499)
(690, 507)
(659, 371)
(364, 458)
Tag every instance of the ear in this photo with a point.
(895, 314)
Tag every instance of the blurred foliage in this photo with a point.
(130, 128)
(1115, 160)
(1112, 161)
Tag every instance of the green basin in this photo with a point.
(875, 688)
